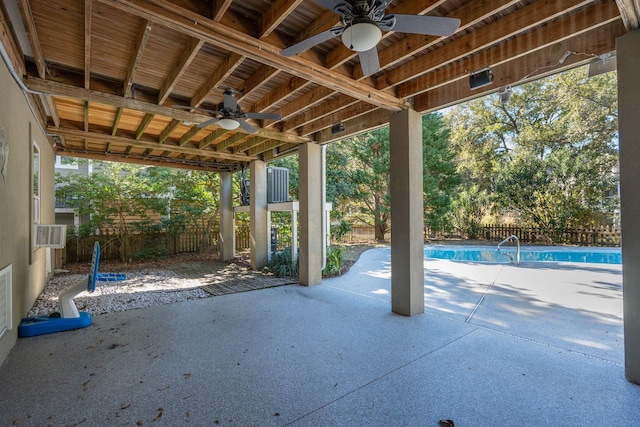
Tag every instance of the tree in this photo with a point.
(368, 175)
(549, 155)
(119, 198)
(440, 175)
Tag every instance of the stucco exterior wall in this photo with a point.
(29, 265)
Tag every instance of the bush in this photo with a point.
(334, 262)
(281, 264)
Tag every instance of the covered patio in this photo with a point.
(335, 355)
(144, 80)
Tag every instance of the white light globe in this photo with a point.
(228, 124)
(362, 36)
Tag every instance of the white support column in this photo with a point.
(628, 64)
(310, 270)
(259, 239)
(407, 245)
(227, 223)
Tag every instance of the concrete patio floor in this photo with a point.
(543, 348)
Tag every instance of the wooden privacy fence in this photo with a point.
(596, 236)
(147, 245)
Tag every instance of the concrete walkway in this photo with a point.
(498, 346)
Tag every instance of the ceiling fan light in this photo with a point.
(361, 36)
(228, 124)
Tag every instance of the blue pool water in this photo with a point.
(527, 254)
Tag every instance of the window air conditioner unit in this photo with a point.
(50, 236)
(277, 185)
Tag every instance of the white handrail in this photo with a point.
(512, 237)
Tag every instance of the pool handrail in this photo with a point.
(512, 237)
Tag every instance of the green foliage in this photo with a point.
(334, 263)
(150, 253)
(549, 156)
(469, 208)
(339, 229)
(281, 264)
(440, 177)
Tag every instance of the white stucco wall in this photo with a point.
(28, 266)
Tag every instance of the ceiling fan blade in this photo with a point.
(312, 41)
(207, 123)
(246, 126)
(423, 24)
(369, 61)
(263, 116)
(230, 101)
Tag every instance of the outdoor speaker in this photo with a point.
(480, 78)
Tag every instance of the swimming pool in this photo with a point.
(527, 254)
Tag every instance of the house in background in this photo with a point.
(66, 215)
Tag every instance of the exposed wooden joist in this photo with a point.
(551, 35)
(519, 21)
(370, 121)
(141, 42)
(630, 13)
(219, 8)
(116, 121)
(168, 130)
(208, 166)
(10, 43)
(194, 25)
(187, 57)
(231, 141)
(598, 41)
(144, 124)
(190, 134)
(88, 11)
(61, 89)
(277, 12)
(220, 74)
(212, 138)
(145, 144)
(469, 14)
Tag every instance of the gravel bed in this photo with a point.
(143, 288)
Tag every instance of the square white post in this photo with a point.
(227, 222)
(310, 267)
(407, 244)
(628, 64)
(259, 239)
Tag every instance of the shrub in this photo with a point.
(281, 264)
(334, 262)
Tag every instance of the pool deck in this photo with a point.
(498, 345)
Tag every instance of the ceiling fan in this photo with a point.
(229, 114)
(361, 26)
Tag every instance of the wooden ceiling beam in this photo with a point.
(7, 37)
(61, 89)
(220, 74)
(144, 124)
(219, 8)
(469, 14)
(227, 38)
(511, 25)
(184, 139)
(318, 112)
(264, 147)
(262, 75)
(132, 69)
(212, 138)
(353, 111)
(232, 141)
(630, 13)
(88, 11)
(178, 163)
(251, 143)
(597, 41)
(166, 132)
(548, 36)
(186, 58)
(277, 12)
(147, 145)
(367, 122)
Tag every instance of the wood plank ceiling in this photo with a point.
(113, 79)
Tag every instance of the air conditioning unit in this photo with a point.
(277, 185)
(50, 236)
